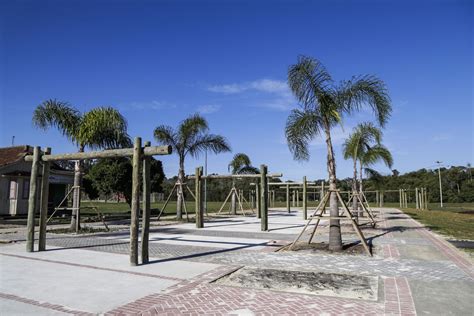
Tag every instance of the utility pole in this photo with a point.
(440, 186)
(205, 182)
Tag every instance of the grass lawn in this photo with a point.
(455, 220)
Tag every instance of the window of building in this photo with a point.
(13, 187)
(26, 189)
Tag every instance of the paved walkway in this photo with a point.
(418, 272)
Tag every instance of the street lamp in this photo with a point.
(440, 186)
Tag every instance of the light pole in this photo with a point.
(440, 186)
(205, 182)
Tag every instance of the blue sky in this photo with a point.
(160, 61)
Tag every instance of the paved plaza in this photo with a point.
(417, 271)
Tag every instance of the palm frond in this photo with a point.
(207, 142)
(166, 135)
(190, 128)
(309, 80)
(103, 127)
(301, 128)
(365, 91)
(240, 160)
(375, 154)
(59, 114)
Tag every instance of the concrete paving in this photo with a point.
(417, 271)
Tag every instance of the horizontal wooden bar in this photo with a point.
(110, 153)
(237, 176)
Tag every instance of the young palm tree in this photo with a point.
(240, 164)
(190, 138)
(101, 127)
(357, 144)
(323, 105)
(372, 155)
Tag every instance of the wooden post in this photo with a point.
(288, 208)
(426, 199)
(44, 203)
(305, 199)
(258, 200)
(198, 189)
(297, 198)
(137, 153)
(146, 207)
(30, 237)
(293, 198)
(264, 198)
(417, 205)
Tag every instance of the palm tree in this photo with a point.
(190, 138)
(359, 146)
(372, 155)
(322, 106)
(101, 127)
(240, 164)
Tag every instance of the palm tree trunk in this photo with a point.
(354, 186)
(335, 238)
(76, 198)
(179, 191)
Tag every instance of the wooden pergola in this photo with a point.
(140, 161)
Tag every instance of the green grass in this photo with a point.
(454, 221)
(456, 207)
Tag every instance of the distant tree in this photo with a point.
(322, 106)
(101, 127)
(190, 138)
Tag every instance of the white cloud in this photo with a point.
(149, 105)
(208, 108)
(277, 95)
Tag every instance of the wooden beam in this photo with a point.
(30, 237)
(137, 151)
(198, 194)
(111, 153)
(237, 176)
(146, 206)
(305, 200)
(44, 203)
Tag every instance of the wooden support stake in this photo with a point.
(44, 203)
(137, 151)
(258, 201)
(166, 202)
(264, 198)
(305, 199)
(146, 207)
(30, 237)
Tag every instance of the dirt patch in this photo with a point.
(317, 283)
(347, 249)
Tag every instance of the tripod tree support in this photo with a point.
(318, 213)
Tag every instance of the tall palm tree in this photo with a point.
(190, 138)
(101, 127)
(322, 106)
(240, 164)
(357, 144)
(372, 155)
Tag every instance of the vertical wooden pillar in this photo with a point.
(44, 203)
(297, 198)
(322, 191)
(305, 199)
(293, 198)
(264, 198)
(288, 208)
(417, 205)
(198, 194)
(146, 207)
(258, 200)
(136, 163)
(30, 237)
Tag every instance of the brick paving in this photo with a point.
(200, 296)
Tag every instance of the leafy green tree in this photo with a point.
(190, 138)
(322, 106)
(101, 127)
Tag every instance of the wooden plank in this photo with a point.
(110, 153)
(146, 207)
(30, 228)
(237, 176)
(44, 203)
(136, 163)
